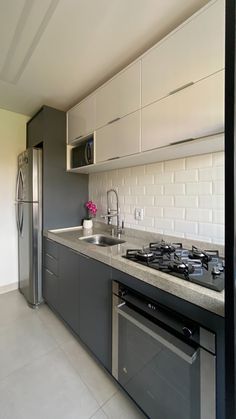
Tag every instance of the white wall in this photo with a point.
(183, 197)
(12, 142)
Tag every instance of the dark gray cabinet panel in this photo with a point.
(51, 288)
(95, 308)
(64, 193)
(69, 286)
(50, 274)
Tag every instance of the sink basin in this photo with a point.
(101, 240)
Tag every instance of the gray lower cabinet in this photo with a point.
(78, 288)
(69, 287)
(61, 281)
(95, 311)
(50, 274)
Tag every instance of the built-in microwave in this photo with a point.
(83, 153)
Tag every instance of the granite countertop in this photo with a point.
(210, 300)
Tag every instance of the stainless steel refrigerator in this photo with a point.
(29, 224)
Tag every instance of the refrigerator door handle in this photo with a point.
(18, 182)
(17, 218)
(21, 220)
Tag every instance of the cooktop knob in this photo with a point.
(122, 293)
(187, 332)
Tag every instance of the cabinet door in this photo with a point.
(50, 274)
(194, 112)
(50, 289)
(95, 308)
(81, 119)
(119, 97)
(35, 130)
(69, 286)
(119, 139)
(192, 52)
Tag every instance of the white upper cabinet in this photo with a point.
(189, 54)
(193, 112)
(119, 139)
(81, 119)
(119, 97)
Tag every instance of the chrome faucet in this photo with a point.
(113, 212)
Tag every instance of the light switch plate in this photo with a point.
(139, 214)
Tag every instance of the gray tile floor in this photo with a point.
(45, 373)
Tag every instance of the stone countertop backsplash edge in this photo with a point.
(210, 300)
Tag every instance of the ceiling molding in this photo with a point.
(7, 69)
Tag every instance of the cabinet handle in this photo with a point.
(188, 140)
(114, 158)
(50, 256)
(181, 88)
(51, 273)
(113, 120)
(197, 138)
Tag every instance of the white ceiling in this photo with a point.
(55, 52)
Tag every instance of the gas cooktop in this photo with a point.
(203, 267)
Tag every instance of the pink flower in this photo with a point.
(91, 207)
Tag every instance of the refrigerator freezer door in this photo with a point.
(30, 247)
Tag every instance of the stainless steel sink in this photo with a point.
(101, 240)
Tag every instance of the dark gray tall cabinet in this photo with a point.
(64, 194)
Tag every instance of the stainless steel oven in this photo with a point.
(163, 360)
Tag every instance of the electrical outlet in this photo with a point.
(139, 214)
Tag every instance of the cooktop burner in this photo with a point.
(203, 267)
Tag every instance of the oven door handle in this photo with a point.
(175, 345)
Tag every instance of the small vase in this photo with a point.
(88, 224)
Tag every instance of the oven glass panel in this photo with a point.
(162, 382)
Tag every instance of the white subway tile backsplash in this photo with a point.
(218, 216)
(154, 190)
(199, 188)
(123, 190)
(218, 187)
(186, 201)
(186, 227)
(138, 171)
(164, 178)
(213, 231)
(145, 200)
(154, 168)
(146, 222)
(218, 159)
(137, 190)
(145, 180)
(164, 201)
(130, 180)
(197, 162)
(174, 213)
(213, 201)
(130, 200)
(154, 212)
(172, 165)
(214, 173)
(186, 176)
(164, 224)
(198, 214)
(182, 197)
(174, 189)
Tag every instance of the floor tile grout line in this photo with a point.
(81, 378)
